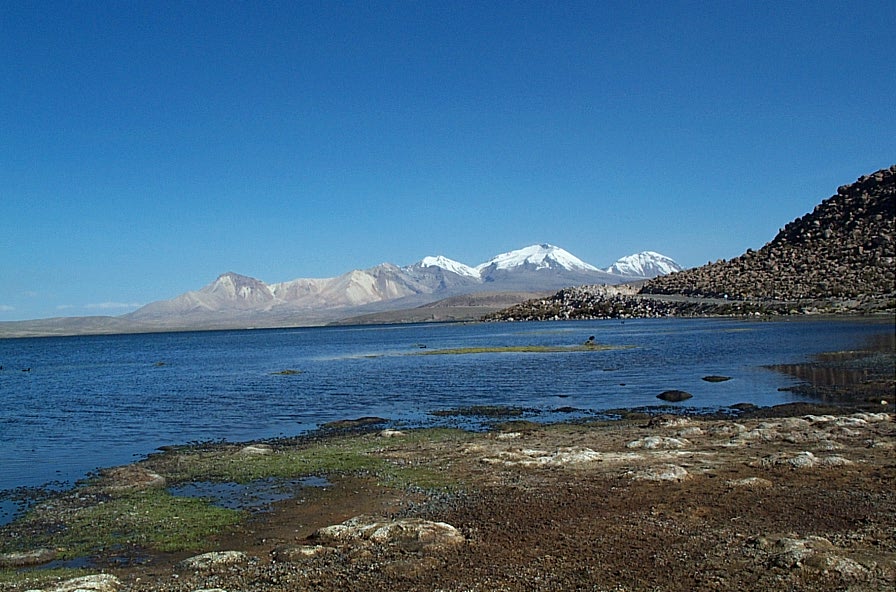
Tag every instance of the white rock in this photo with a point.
(835, 461)
(409, 533)
(654, 442)
(93, 583)
(661, 473)
(213, 560)
(256, 449)
(751, 483)
(690, 432)
(392, 434)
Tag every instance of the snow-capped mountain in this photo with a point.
(237, 300)
(536, 257)
(449, 265)
(646, 264)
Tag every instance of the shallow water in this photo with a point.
(98, 401)
(256, 496)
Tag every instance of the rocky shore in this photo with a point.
(795, 497)
(622, 302)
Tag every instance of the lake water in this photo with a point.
(98, 401)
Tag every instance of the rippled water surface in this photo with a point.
(97, 401)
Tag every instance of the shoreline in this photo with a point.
(490, 485)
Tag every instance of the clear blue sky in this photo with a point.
(147, 147)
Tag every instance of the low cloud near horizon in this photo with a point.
(113, 305)
(101, 306)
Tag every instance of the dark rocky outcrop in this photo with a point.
(844, 248)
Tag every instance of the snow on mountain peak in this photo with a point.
(449, 265)
(646, 264)
(543, 256)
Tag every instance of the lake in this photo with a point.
(99, 401)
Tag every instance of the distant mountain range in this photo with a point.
(239, 301)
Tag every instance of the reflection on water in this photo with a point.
(864, 374)
(824, 375)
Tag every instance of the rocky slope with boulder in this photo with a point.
(844, 249)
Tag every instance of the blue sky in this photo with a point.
(147, 147)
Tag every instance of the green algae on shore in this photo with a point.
(151, 519)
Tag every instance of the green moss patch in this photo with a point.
(151, 519)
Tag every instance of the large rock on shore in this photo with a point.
(411, 534)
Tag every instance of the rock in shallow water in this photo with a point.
(674, 396)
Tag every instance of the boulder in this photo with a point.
(256, 450)
(661, 473)
(92, 583)
(713, 378)
(131, 477)
(296, 553)
(674, 396)
(654, 442)
(409, 534)
(213, 560)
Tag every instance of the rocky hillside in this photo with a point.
(843, 249)
(837, 259)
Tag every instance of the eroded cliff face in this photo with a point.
(844, 248)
